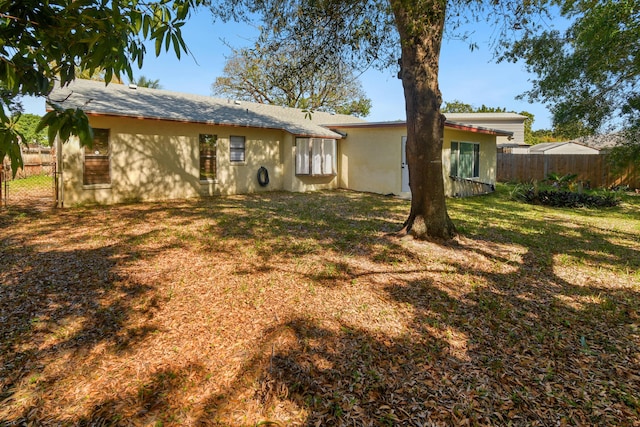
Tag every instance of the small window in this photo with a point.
(316, 156)
(208, 148)
(97, 167)
(237, 149)
(465, 160)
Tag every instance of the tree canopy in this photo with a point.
(457, 106)
(28, 125)
(281, 75)
(143, 81)
(46, 41)
(588, 74)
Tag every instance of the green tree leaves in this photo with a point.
(46, 41)
(10, 137)
(280, 74)
(28, 124)
(589, 73)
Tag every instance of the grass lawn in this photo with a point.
(302, 309)
(32, 183)
(34, 191)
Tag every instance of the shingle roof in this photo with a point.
(601, 142)
(461, 117)
(546, 146)
(402, 123)
(121, 100)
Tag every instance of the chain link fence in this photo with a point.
(34, 184)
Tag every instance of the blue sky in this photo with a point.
(471, 77)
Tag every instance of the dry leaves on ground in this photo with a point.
(290, 309)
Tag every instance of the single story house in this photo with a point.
(596, 144)
(569, 147)
(371, 152)
(603, 143)
(153, 144)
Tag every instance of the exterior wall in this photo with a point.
(369, 159)
(488, 156)
(155, 160)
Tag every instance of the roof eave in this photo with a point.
(334, 135)
(448, 123)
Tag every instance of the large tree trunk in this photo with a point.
(421, 25)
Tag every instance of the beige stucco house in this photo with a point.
(371, 152)
(152, 145)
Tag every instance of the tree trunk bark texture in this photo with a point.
(421, 25)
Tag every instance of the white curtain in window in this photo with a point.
(316, 153)
(302, 156)
(329, 156)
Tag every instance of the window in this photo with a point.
(208, 146)
(236, 148)
(316, 156)
(465, 160)
(97, 159)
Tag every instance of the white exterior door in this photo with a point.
(405, 167)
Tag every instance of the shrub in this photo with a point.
(562, 198)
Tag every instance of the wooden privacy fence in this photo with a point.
(37, 161)
(33, 185)
(592, 169)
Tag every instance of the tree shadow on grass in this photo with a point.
(517, 342)
(325, 373)
(58, 307)
(511, 351)
(507, 338)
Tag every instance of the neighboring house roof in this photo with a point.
(402, 123)
(545, 146)
(565, 146)
(96, 98)
(600, 142)
(512, 145)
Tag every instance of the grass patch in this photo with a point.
(301, 309)
(31, 183)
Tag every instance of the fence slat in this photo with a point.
(590, 168)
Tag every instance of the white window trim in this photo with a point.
(311, 157)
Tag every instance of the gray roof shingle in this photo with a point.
(121, 100)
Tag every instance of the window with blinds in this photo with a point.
(97, 162)
(237, 149)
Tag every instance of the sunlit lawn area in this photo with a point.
(31, 183)
(305, 309)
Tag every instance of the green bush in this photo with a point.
(530, 193)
